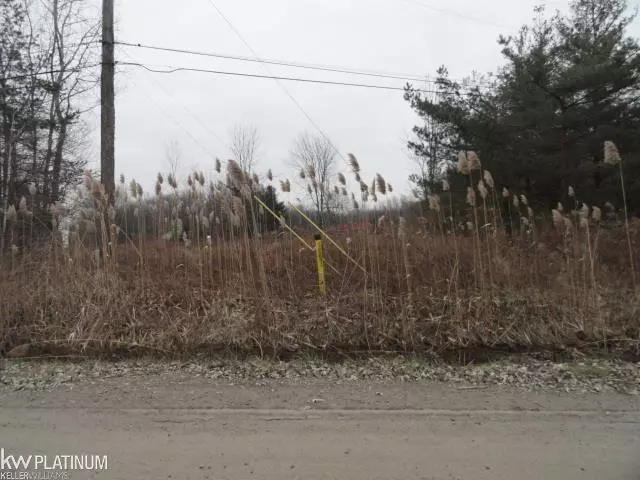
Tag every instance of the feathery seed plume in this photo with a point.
(12, 214)
(355, 166)
(505, 192)
(445, 185)
(516, 201)
(122, 180)
(474, 161)
(471, 196)
(341, 179)
(32, 189)
(389, 187)
(235, 172)
(523, 200)
(597, 214)
(218, 165)
(611, 154)
(572, 192)
(463, 163)
(382, 184)
(488, 179)
(483, 190)
(270, 175)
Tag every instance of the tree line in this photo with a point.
(568, 84)
(48, 57)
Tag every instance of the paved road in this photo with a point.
(243, 432)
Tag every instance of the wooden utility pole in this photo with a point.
(108, 110)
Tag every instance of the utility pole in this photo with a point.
(108, 110)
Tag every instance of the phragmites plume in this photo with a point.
(382, 184)
(402, 228)
(353, 161)
(133, 188)
(558, 219)
(235, 172)
(363, 187)
(445, 185)
(245, 192)
(88, 180)
(389, 187)
(160, 179)
(12, 214)
(201, 179)
(434, 202)
(32, 189)
(474, 161)
(270, 175)
(505, 192)
(218, 165)
(463, 163)
(22, 206)
(285, 186)
(516, 201)
(140, 191)
(341, 179)
(530, 212)
(483, 190)
(596, 214)
(609, 206)
(122, 180)
(344, 191)
(358, 179)
(158, 188)
(471, 196)
(189, 181)
(584, 211)
(523, 200)
(488, 179)
(611, 154)
(572, 192)
(336, 190)
(312, 172)
(171, 180)
(560, 207)
(302, 174)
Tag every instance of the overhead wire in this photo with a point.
(308, 66)
(170, 69)
(284, 89)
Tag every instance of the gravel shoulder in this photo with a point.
(389, 384)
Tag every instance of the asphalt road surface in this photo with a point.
(194, 430)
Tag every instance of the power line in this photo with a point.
(454, 13)
(51, 72)
(171, 70)
(284, 89)
(309, 66)
(189, 112)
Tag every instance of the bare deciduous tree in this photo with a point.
(315, 156)
(245, 146)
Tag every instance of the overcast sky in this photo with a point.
(193, 109)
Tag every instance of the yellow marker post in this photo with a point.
(320, 261)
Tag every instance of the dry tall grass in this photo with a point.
(207, 274)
